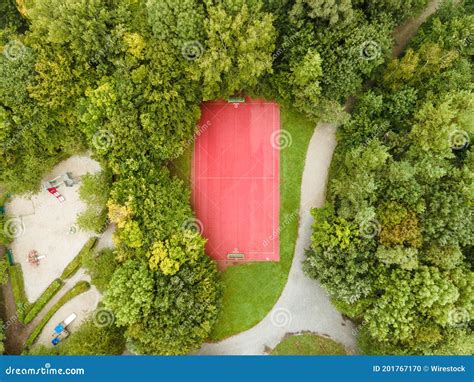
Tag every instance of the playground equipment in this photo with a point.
(52, 185)
(56, 194)
(60, 332)
(34, 258)
(3, 200)
(10, 258)
(67, 179)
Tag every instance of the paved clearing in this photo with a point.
(303, 305)
(44, 224)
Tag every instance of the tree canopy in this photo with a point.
(124, 81)
(393, 244)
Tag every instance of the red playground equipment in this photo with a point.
(34, 258)
(54, 191)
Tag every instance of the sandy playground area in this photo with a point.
(48, 226)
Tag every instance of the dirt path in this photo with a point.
(405, 32)
(16, 333)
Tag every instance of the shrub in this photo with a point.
(41, 302)
(18, 286)
(4, 238)
(94, 191)
(100, 266)
(3, 270)
(93, 339)
(76, 263)
(80, 287)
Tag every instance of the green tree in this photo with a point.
(169, 255)
(101, 267)
(304, 80)
(3, 270)
(94, 191)
(130, 294)
(413, 189)
(330, 11)
(94, 339)
(185, 309)
(239, 40)
(336, 244)
(179, 22)
(9, 15)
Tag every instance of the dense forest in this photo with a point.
(125, 79)
(394, 243)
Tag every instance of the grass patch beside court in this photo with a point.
(252, 289)
(308, 344)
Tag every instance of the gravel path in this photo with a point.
(303, 305)
(82, 305)
(405, 32)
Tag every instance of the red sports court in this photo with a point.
(236, 179)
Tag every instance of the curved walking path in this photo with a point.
(303, 305)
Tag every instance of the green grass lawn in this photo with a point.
(252, 289)
(308, 344)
